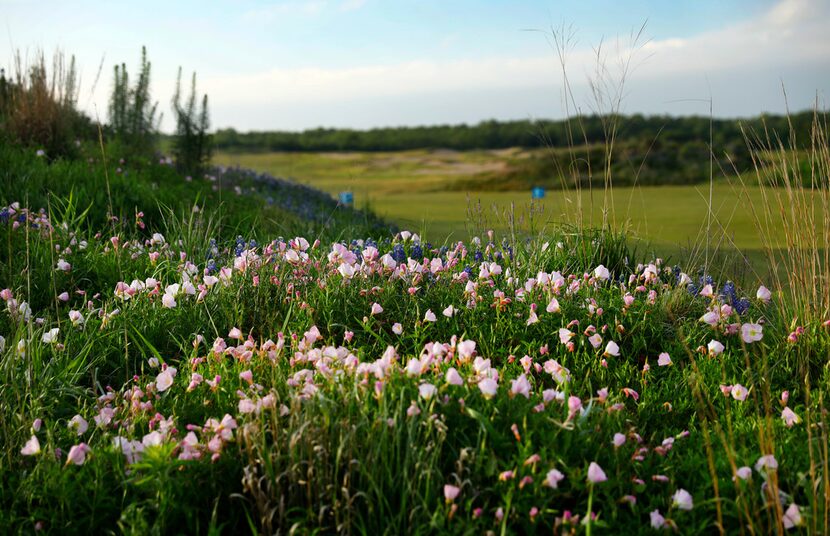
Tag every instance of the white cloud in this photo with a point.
(742, 63)
(307, 8)
(352, 5)
(791, 32)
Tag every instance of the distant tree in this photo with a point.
(132, 115)
(192, 144)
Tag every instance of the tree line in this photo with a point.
(640, 130)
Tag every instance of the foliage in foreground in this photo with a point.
(161, 381)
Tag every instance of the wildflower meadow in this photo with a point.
(177, 378)
(193, 349)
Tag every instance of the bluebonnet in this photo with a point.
(417, 253)
(4, 215)
(741, 306)
(240, 246)
(398, 254)
(469, 270)
(479, 256)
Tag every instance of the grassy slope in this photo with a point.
(407, 187)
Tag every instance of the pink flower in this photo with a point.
(449, 311)
(427, 390)
(595, 474)
(595, 340)
(712, 318)
(657, 520)
(682, 499)
(451, 492)
(715, 348)
(506, 475)
(165, 379)
(744, 473)
(453, 377)
(766, 462)
(792, 517)
(611, 349)
(789, 417)
(413, 410)
(751, 333)
(466, 349)
(553, 306)
(488, 387)
(397, 328)
(429, 316)
(663, 360)
(739, 392)
(31, 447)
(553, 478)
(77, 454)
(574, 404)
(619, 439)
(763, 294)
(235, 333)
(520, 386)
(565, 335)
(247, 376)
(376, 309)
(627, 391)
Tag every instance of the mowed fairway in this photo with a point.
(407, 188)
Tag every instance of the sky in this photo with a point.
(298, 64)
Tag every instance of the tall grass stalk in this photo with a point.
(794, 180)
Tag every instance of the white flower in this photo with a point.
(165, 379)
(78, 424)
(168, 301)
(715, 348)
(51, 336)
(76, 317)
(682, 499)
(601, 272)
(31, 447)
(752, 333)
